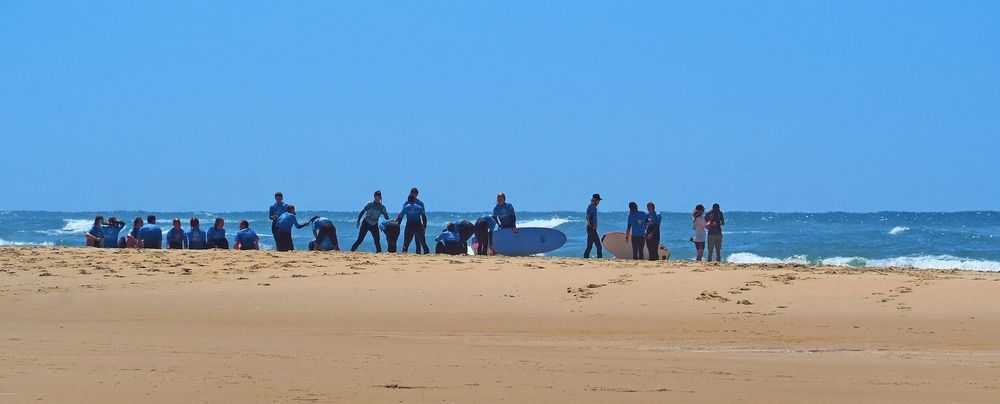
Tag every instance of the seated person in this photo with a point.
(449, 242)
(176, 239)
(246, 239)
(216, 236)
(150, 234)
(95, 236)
(132, 239)
(111, 232)
(196, 238)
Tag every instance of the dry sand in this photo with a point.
(87, 325)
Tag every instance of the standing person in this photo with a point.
(653, 221)
(592, 238)
(176, 239)
(391, 230)
(714, 220)
(699, 230)
(636, 229)
(283, 238)
(246, 239)
(216, 236)
(325, 234)
(274, 212)
(483, 230)
(504, 213)
(132, 238)
(150, 234)
(111, 232)
(416, 196)
(416, 223)
(95, 236)
(371, 213)
(196, 239)
(421, 238)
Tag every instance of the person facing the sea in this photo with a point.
(95, 236)
(287, 220)
(274, 212)
(465, 231)
(132, 239)
(216, 236)
(176, 239)
(416, 223)
(325, 235)
(653, 231)
(636, 229)
(246, 238)
(483, 230)
(714, 220)
(196, 239)
(111, 232)
(503, 213)
(391, 230)
(371, 213)
(448, 241)
(592, 238)
(699, 230)
(150, 234)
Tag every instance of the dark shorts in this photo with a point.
(699, 245)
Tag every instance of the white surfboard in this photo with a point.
(615, 243)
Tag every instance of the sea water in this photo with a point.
(963, 240)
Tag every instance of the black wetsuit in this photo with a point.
(391, 231)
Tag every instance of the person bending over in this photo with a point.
(325, 234)
(448, 242)
(483, 230)
(391, 230)
(286, 221)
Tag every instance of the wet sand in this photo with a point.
(87, 325)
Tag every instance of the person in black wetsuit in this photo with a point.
(465, 231)
(483, 230)
(391, 230)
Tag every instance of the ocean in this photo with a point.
(962, 240)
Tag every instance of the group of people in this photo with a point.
(642, 230)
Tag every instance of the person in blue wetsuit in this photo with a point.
(150, 234)
(416, 197)
(636, 229)
(111, 232)
(216, 236)
(483, 230)
(592, 238)
(286, 221)
(325, 235)
(416, 224)
(653, 221)
(448, 242)
(274, 212)
(371, 213)
(95, 236)
(504, 213)
(391, 230)
(132, 238)
(196, 239)
(176, 239)
(246, 239)
(465, 231)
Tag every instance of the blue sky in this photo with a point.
(767, 105)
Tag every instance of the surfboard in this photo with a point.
(527, 241)
(615, 243)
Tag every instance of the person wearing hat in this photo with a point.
(592, 238)
(371, 213)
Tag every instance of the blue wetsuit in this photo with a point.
(151, 236)
(247, 239)
(505, 215)
(196, 239)
(592, 238)
(111, 234)
(637, 220)
(283, 238)
(416, 223)
(176, 239)
(217, 238)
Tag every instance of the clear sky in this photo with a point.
(759, 105)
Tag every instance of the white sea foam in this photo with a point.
(71, 226)
(898, 229)
(547, 223)
(919, 262)
(5, 243)
(751, 258)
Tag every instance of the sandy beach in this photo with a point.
(87, 325)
